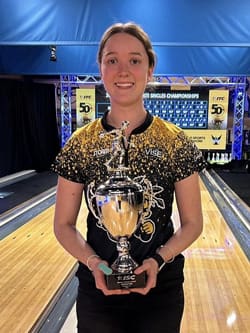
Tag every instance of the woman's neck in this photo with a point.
(135, 118)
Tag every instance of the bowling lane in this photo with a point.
(34, 271)
(217, 281)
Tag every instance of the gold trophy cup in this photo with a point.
(120, 205)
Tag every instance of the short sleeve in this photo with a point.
(187, 158)
(68, 163)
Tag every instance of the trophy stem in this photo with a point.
(124, 263)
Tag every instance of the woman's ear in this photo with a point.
(150, 74)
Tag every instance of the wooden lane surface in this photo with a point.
(33, 267)
(217, 278)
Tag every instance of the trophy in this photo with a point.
(120, 205)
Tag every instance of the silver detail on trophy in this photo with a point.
(120, 206)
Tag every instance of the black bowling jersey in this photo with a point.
(159, 155)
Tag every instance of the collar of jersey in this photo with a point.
(138, 130)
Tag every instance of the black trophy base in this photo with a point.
(125, 280)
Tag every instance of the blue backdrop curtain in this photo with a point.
(191, 37)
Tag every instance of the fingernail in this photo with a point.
(105, 269)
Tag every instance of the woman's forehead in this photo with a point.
(125, 42)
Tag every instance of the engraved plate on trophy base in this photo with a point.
(125, 280)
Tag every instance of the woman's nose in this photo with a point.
(123, 68)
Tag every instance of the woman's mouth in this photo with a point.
(124, 84)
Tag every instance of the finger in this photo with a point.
(142, 291)
(108, 292)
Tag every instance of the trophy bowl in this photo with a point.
(120, 205)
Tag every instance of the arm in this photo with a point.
(188, 199)
(68, 203)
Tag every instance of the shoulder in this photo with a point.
(88, 130)
(165, 127)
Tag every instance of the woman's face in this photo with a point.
(125, 69)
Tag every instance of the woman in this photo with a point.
(165, 162)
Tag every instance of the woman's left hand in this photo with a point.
(150, 266)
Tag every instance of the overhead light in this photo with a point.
(52, 52)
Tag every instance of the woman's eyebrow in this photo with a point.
(114, 53)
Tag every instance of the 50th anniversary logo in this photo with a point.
(215, 136)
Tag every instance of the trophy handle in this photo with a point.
(124, 262)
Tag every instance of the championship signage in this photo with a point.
(218, 109)
(208, 139)
(85, 106)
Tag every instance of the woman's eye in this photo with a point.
(111, 61)
(134, 61)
